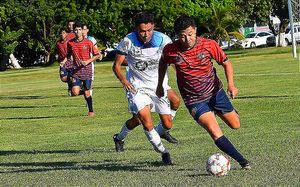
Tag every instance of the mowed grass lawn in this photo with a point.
(47, 140)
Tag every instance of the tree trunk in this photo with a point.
(281, 40)
(3, 62)
(14, 61)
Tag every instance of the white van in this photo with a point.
(288, 34)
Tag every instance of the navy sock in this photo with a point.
(89, 102)
(226, 146)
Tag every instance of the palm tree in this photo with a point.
(221, 24)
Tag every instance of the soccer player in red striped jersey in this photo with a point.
(199, 85)
(81, 49)
(70, 31)
(65, 67)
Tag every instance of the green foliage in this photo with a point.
(222, 23)
(9, 40)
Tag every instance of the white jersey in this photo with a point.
(92, 39)
(143, 59)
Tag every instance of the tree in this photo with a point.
(222, 23)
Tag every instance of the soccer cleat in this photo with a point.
(91, 114)
(167, 136)
(166, 158)
(245, 165)
(119, 144)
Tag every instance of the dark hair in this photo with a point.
(183, 22)
(143, 17)
(78, 24)
(62, 29)
(84, 24)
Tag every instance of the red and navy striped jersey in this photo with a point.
(81, 51)
(61, 49)
(70, 36)
(196, 76)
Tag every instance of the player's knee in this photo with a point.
(175, 103)
(132, 123)
(64, 79)
(167, 123)
(235, 124)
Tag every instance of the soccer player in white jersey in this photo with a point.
(142, 50)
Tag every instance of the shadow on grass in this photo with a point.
(14, 107)
(23, 97)
(263, 96)
(5, 153)
(21, 118)
(106, 165)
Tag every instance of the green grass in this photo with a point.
(47, 140)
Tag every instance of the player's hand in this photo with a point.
(128, 86)
(232, 91)
(160, 91)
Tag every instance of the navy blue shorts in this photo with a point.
(65, 72)
(219, 103)
(87, 84)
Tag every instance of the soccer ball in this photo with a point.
(217, 165)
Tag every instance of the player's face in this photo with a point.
(63, 35)
(78, 32)
(70, 26)
(187, 37)
(85, 31)
(145, 31)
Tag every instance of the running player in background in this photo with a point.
(141, 50)
(200, 88)
(65, 67)
(80, 50)
(70, 31)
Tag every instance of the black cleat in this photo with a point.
(167, 136)
(245, 165)
(166, 158)
(119, 144)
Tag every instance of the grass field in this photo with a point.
(47, 140)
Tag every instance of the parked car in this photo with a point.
(233, 44)
(271, 41)
(288, 34)
(255, 39)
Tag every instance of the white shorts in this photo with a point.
(142, 98)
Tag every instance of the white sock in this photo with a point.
(124, 132)
(160, 129)
(155, 140)
(173, 113)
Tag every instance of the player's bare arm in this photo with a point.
(162, 69)
(86, 62)
(231, 89)
(118, 72)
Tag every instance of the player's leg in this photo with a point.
(232, 119)
(128, 126)
(153, 137)
(87, 85)
(209, 123)
(206, 118)
(174, 101)
(165, 125)
(76, 84)
(65, 77)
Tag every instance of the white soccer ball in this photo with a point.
(217, 165)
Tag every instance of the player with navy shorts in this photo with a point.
(80, 50)
(199, 85)
(65, 66)
(142, 50)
